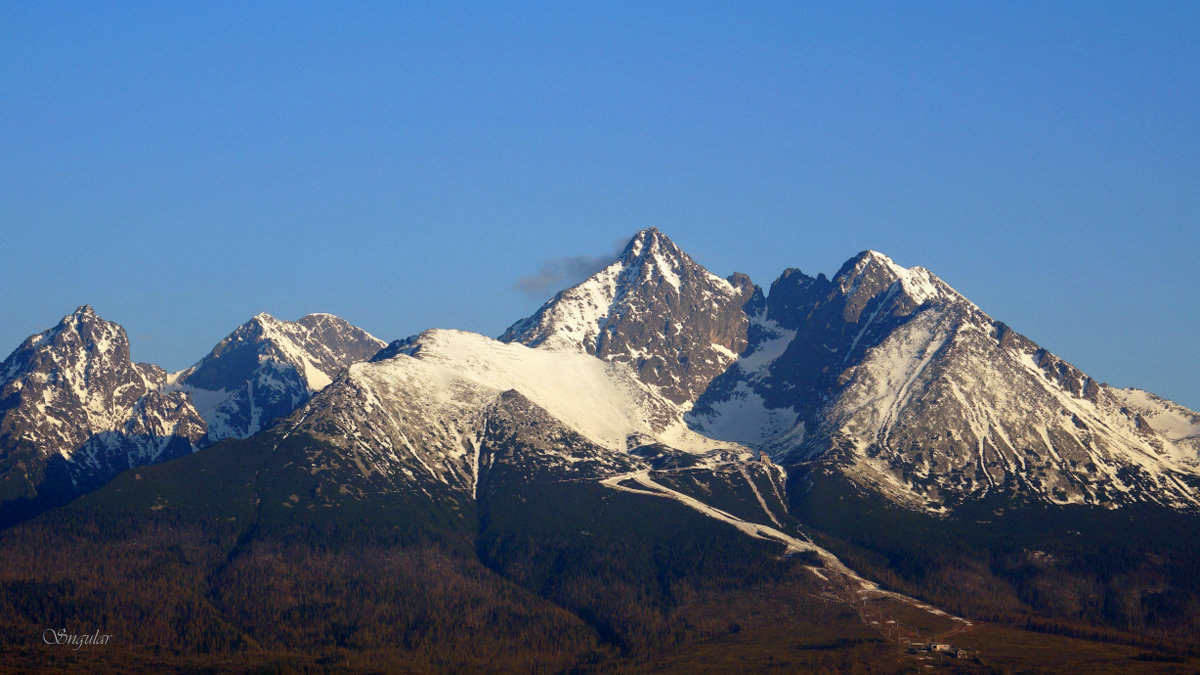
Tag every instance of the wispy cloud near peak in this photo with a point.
(559, 273)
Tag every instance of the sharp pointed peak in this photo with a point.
(647, 241)
(318, 319)
(874, 270)
(259, 325)
(871, 254)
(83, 315)
(868, 260)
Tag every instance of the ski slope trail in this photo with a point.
(842, 583)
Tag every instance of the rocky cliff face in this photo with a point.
(267, 368)
(654, 308)
(75, 411)
(889, 376)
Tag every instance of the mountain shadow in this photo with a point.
(62, 480)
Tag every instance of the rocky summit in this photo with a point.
(267, 367)
(76, 411)
(674, 322)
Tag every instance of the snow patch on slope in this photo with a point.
(742, 416)
(1173, 421)
(602, 400)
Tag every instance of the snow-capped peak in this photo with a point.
(267, 367)
(657, 256)
(871, 256)
(871, 273)
(916, 393)
(83, 313)
(675, 322)
(73, 396)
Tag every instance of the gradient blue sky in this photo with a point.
(183, 166)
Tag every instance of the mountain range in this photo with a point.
(75, 410)
(840, 422)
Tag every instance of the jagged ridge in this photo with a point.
(267, 368)
(420, 417)
(894, 379)
(75, 410)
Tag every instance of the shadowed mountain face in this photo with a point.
(267, 368)
(888, 376)
(75, 411)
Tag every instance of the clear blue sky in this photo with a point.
(183, 166)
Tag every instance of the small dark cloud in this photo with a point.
(559, 273)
